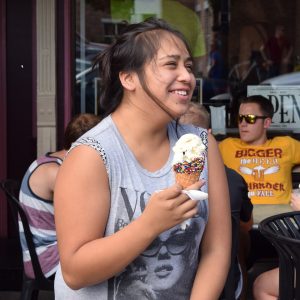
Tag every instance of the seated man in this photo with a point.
(266, 164)
(240, 204)
(36, 198)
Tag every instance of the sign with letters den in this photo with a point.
(286, 102)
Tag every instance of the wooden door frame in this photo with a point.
(3, 137)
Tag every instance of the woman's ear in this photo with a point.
(127, 80)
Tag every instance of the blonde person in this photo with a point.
(197, 115)
(117, 207)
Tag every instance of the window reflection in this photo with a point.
(96, 27)
(227, 39)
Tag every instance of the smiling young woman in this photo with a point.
(128, 242)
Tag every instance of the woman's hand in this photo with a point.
(169, 207)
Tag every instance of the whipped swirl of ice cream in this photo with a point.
(188, 148)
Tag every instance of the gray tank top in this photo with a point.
(167, 268)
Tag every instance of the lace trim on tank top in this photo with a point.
(203, 135)
(89, 141)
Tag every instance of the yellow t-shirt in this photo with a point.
(266, 168)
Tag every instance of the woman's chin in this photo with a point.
(180, 110)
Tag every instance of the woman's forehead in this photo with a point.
(172, 44)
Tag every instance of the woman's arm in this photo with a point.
(216, 243)
(82, 203)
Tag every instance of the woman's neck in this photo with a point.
(146, 138)
(144, 121)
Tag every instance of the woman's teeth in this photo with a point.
(182, 93)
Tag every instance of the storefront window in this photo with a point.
(236, 44)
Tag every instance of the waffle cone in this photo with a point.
(185, 179)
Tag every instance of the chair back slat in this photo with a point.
(297, 220)
(273, 227)
(9, 188)
(282, 228)
(291, 225)
(39, 282)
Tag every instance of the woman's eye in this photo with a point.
(190, 68)
(172, 64)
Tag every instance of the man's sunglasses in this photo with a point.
(250, 119)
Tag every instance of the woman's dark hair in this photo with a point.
(137, 45)
(264, 104)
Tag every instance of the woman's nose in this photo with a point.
(185, 75)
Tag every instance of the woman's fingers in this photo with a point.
(169, 193)
(169, 207)
(197, 185)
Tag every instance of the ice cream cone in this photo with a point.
(185, 179)
(189, 159)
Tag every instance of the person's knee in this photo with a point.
(265, 286)
(259, 287)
